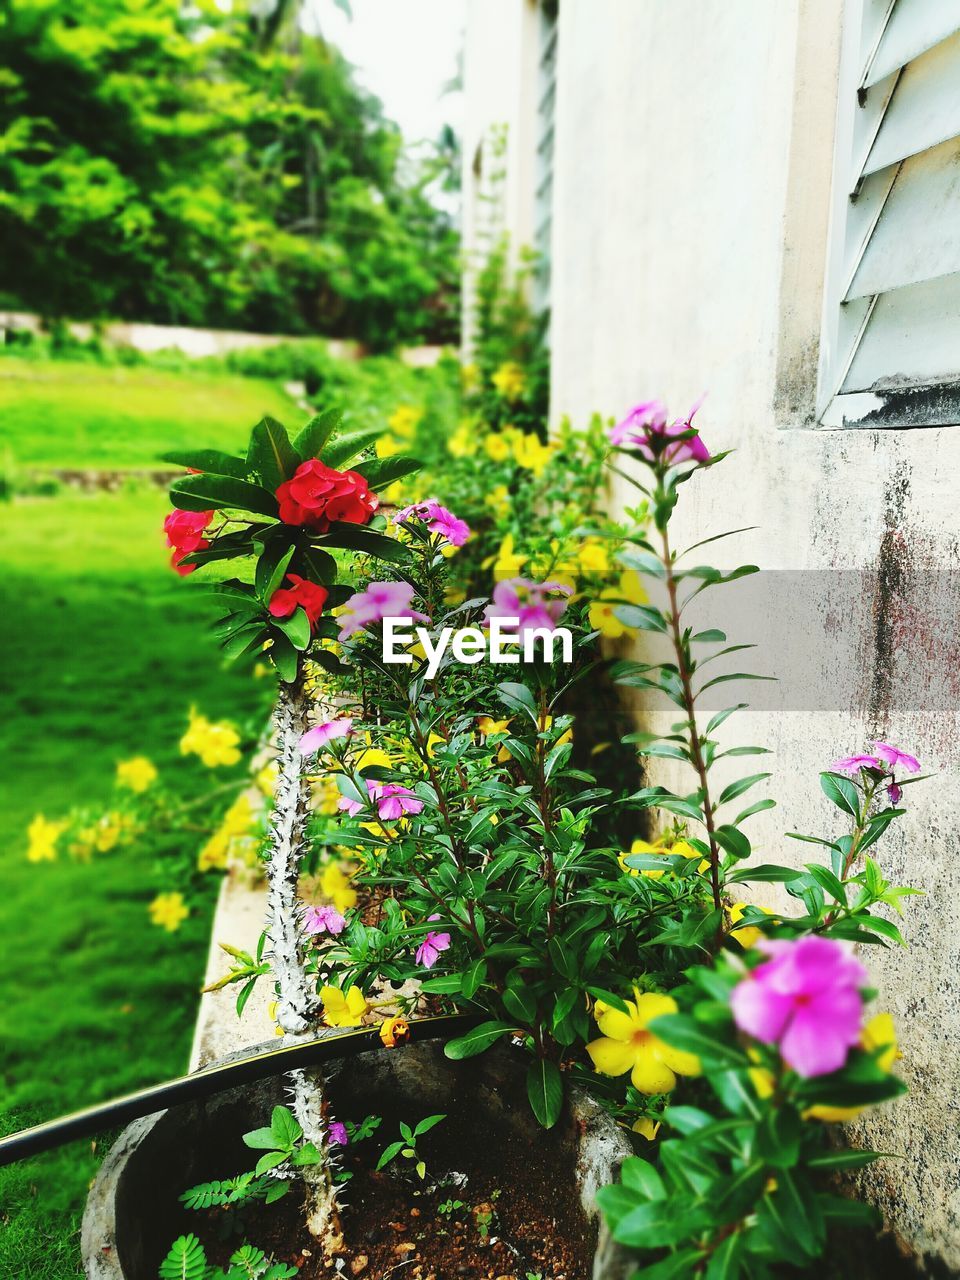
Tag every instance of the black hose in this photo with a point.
(217, 1079)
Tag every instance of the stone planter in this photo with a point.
(133, 1215)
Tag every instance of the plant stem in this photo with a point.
(689, 704)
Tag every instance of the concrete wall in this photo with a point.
(692, 198)
(499, 68)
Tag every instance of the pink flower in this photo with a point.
(303, 594)
(440, 519)
(323, 920)
(380, 600)
(853, 764)
(316, 495)
(805, 998)
(393, 800)
(429, 949)
(894, 793)
(321, 734)
(645, 430)
(184, 530)
(337, 1134)
(895, 758)
(530, 602)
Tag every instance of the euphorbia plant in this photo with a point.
(288, 507)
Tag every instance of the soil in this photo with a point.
(492, 1203)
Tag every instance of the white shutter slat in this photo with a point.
(917, 236)
(913, 27)
(912, 337)
(924, 109)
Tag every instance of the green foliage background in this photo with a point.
(182, 165)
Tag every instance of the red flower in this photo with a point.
(180, 552)
(304, 593)
(184, 530)
(317, 495)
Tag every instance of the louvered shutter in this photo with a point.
(892, 327)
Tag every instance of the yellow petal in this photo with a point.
(651, 1005)
(611, 1057)
(618, 1025)
(678, 1060)
(650, 1075)
(646, 1127)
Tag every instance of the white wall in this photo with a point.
(499, 64)
(693, 162)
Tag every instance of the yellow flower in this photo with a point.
(498, 499)
(433, 741)
(454, 596)
(879, 1033)
(343, 1009)
(213, 855)
(602, 615)
(272, 1008)
(136, 774)
(528, 452)
(336, 886)
(168, 911)
(404, 420)
(646, 1127)
(463, 442)
(627, 1045)
(593, 557)
(42, 836)
(487, 726)
(374, 756)
(749, 934)
(108, 832)
(497, 447)
(546, 722)
(216, 743)
(509, 380)
(387, 446)
(506, 563)
(469, 377)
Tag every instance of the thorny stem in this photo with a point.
(689, 704)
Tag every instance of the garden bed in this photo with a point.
(508, 1214)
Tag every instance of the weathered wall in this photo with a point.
(694, 150)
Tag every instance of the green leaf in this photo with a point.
(834, 1160)
(766, 871)
(716, 721)
(209, 460)
(473, 978)
(317, 565)
(272, 563)
(517, 697)
(725, 1260)
(285, 1127)
(379, 472)
(544, 1088)
(389, 1154)
(760, 807)
(270, 1160)
(310, 441)
(639, 1175)
(426, 1125)
(545, 1091)
(740, 786)
(296, 628)
(185, 1261)
(657, 1224)
(827, 880)
(271, 456)
(477, 1040)
(733, 842)
(349, 446)
(678, 1266)
(260, 1139)
(641, 616)
(285, 658)
(686, 1033)
(842, 792)
(353, 537)
(198, 493)
(520, 1003)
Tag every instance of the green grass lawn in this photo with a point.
(104, 650)
(62, 413)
